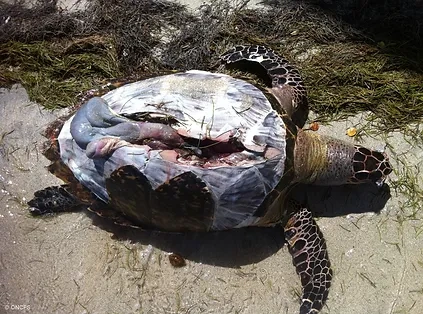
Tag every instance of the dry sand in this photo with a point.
(79, 263)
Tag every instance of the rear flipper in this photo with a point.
(53, 199)
(311, 260)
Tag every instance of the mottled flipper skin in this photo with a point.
(53, 199)
(287, 85)
(310, 258)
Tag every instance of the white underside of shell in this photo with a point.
(206, 105)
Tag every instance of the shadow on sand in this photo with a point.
(237, 247)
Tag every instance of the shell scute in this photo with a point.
(182, 203)
(129, 192)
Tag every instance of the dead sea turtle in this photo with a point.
(204, 151)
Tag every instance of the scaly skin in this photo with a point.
(287, 85)
(323, 160)
(310, 258)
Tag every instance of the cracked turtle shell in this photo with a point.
(179, 193)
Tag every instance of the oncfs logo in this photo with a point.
(17, 307)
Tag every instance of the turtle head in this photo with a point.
(369, 166)
(324, 160)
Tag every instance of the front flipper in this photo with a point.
(53, 199)
(311, 260)
(287, 85)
